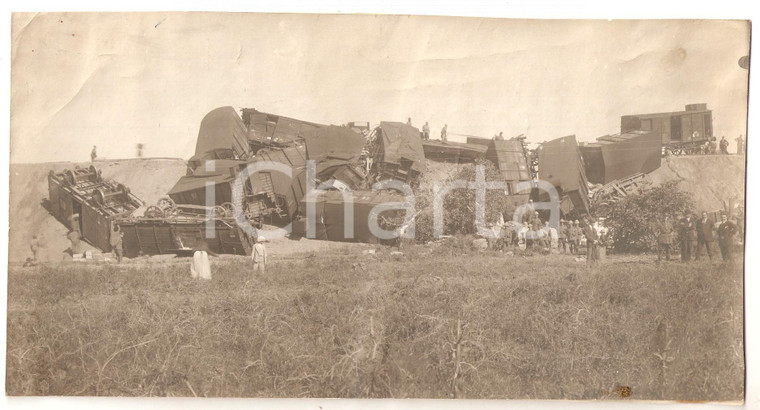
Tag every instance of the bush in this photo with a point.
(459, 205)
(633, 219)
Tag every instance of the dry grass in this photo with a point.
(427, 324)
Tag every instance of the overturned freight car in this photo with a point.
(83, 192)
(618, 156)
(182, 235)
(272, 130)
(561, 164)
(222, 136)
(508, 156)
(396, 152)
(456, 152)
(330, 215)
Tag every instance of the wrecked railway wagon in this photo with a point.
(222, 136)
(397, 153)
(449, 151)
(181, 235)
(508, 156)
(561, 164)
(330, 215)
(97, 202)
(217, 174)
(266, 130)
(618, 156)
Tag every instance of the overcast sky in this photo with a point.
(114, 80)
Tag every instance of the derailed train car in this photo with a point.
(561, 165)
(273, 130)
(618, 156)
(330, 215)
(222, 136)
(397, 153)
(181, 235)
(97, 201)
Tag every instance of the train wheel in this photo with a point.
(153, 212)
(219, 211)
(229, 209)
(165, 203)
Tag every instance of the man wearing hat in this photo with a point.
(726, 232)
(563, 233)
(259, 255)
(575, 236)
(664, 238)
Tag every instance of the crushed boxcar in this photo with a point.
(508, 156)
(449, 151)
(396, 152)
(613, 157)
(219, 174)
(561, 164)
(336, 152)
(97, 201)
(330, 221)
(180, 235)
(222, 135)
(267, 130)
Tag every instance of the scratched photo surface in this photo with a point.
(373, 206)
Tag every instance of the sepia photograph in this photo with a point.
(287, 205)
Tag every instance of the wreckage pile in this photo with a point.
(235, 168)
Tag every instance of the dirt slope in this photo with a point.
(710, 179)
(149, 179)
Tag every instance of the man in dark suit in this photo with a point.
(705, 235)
(726, 232)
(688, 235)
(592, 242)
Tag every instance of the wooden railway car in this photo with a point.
(682, 132)
(97, 201)
(180, 235)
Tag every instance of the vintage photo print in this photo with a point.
(258, 205)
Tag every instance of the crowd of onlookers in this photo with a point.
(695, 235)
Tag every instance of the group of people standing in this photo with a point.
(710, 147)
(425, 134)
(695, 234)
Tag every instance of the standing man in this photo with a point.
(592, 240)
(116, 240)
(723, 145)
(499, 137)
(664, 239)
(726, 232)
(688, 235)
(740, 145)
(409, 121)
(426, 131)
(705, 235)
(712, 146)
(562, 232)
(34, 245)
(444, 133)
(94, 153)
(259, 255)
(575, 236)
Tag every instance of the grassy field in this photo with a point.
(431, 323)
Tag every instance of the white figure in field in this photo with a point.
(200, 268)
